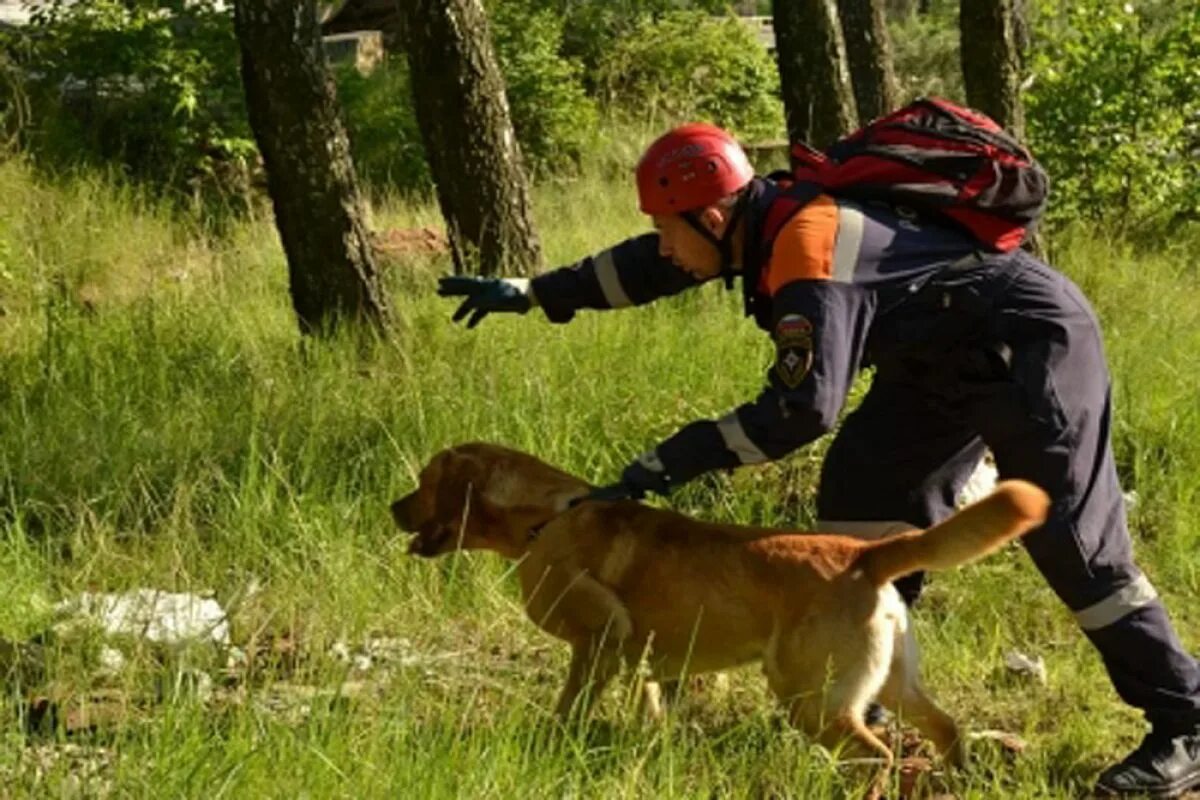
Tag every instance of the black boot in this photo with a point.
(1163, 765)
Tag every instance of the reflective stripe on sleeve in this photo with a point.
(1121, 603)
(738, 442)
(651, 461)
(864, 529)
(610, 282)
(849, 242)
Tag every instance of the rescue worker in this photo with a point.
(970, 352)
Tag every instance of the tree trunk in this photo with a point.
(869, 53)
(462, 110)
(991, 61)
(817, 99)
(318, 210)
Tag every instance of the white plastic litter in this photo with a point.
(1022, 664)
(169, 618)
(112, 661)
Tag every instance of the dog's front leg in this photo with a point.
(651, 706)
(593, 664)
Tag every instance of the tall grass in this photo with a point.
(162, 425)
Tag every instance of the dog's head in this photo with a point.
(482, 496)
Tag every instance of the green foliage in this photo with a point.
(690, 65)
(385, 140)
(151, 85)
(591, 28)
(925, 54)
(1114, 110)
(554, 120)
(553, 117)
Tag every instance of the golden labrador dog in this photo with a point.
(621, 581)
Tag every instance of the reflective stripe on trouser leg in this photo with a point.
(1119, 604)
(1150, 668)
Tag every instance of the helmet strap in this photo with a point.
(724, 244)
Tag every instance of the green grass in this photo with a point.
(162, 426)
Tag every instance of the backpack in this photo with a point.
(935, 158)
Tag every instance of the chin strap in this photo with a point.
(724, 245)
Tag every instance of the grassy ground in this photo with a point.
(162, 427)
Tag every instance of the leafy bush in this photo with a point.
(151, 85)
(689, 65)
(385, 141)
(926, 55)
(591, 28)
(552, 115)
(1114, 111)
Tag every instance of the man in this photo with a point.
(970, 351)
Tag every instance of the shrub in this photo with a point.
(1114, 110)
(552, 115)
(151, 85)
(385, 141)
(689, 65)
(926, 55)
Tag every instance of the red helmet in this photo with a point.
(690, 167)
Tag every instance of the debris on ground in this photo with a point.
(1009, 743)
(386, 653)
(397, 243)
(168, 618)
(1021, 664)
(62, 769)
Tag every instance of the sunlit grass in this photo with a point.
(163, 426)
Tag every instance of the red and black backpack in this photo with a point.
(936, 158)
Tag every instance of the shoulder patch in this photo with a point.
(793, 349)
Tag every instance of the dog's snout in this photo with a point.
(400, 513)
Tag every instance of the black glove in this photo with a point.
(484, 295)
(640, 478)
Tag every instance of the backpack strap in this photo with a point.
(786, 205)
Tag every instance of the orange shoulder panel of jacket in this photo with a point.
(803, 250)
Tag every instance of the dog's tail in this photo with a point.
(1013, 509)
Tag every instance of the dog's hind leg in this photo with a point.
(844, 728)
(904, 693)
(826, 673)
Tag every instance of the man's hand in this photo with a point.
(485, 295)
(639, 479)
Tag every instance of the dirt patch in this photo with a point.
(399, 243)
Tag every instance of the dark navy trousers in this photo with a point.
(1039, 398)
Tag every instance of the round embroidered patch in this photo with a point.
(793, 349)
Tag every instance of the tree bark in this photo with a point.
(318, 209)
(458, 93)
(991, 61)
(869, 53)
(817, 99)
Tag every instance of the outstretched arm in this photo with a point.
(819, 333)
(631, 273)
